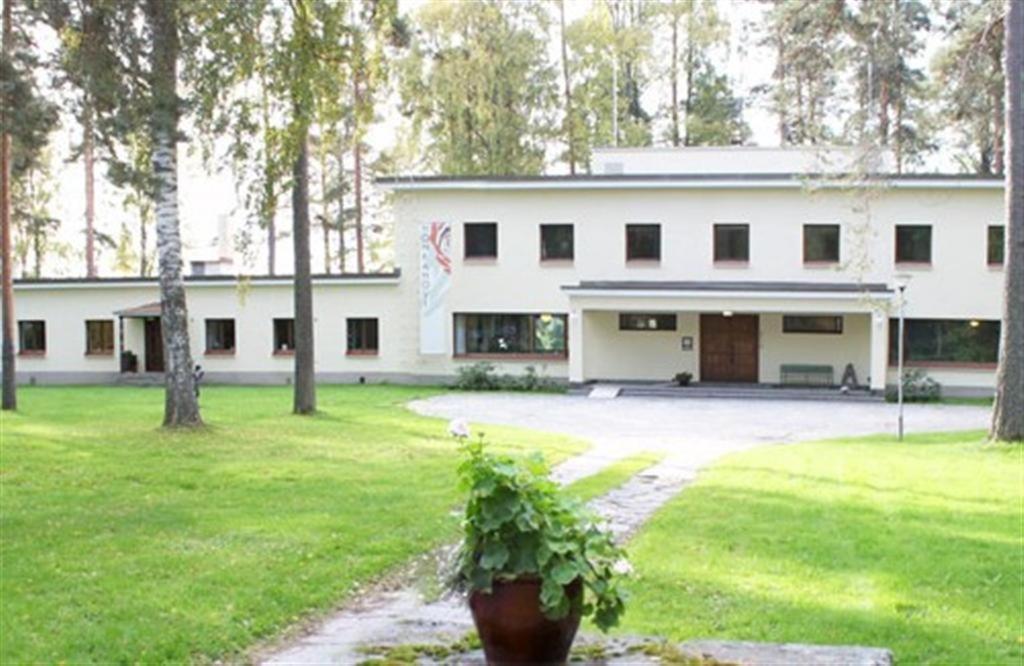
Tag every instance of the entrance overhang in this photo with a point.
(140, 311)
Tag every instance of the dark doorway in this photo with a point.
(154, 345)
(728, 348)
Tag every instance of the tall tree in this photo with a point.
(478, 83)
(807, 38)
(1008, 412)
(968, 82)
(181, 408)
(569, 120)
(714, 115)
(887, 37)
(10, 399)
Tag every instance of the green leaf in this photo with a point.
(565, 572)
(495, 556)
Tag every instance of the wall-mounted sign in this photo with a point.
(687, 343)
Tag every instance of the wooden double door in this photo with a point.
(728, 348)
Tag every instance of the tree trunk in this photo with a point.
(305, 382)
(143, 263)
(341, 206)
(688, 102)
(675, 81)
(324, 219)
(1008, 412)
(570, 121)
(181, 407)
(88, 161)
(357, 152)
(271, 244)
(10, 400)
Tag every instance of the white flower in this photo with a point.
(622, 567)
(458, 428)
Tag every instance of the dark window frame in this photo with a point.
(545, 255)
(281, 325)
(995, 253)
(798, 324)
(628, 321)
(556, 355)
(34, 351)
(89, 338)
(362, 336)
(947, 341)
(478, 226)
(632, 249)
(718, 250)
(217, 322)
(927, 228)
(838, 243)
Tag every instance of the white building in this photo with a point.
(734, 264)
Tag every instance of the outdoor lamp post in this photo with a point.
(902, 280)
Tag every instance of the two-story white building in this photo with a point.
(747, 265)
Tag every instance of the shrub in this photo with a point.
(518, 524)
(683, 378)
(477, 377)
(917, 387)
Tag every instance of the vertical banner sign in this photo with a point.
(435, 278)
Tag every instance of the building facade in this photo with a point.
(735, 265)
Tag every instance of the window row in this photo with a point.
(487, 334)
(362, 336)
(731, 242)
(644, 321)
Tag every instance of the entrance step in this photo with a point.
(605, 392)
(728, 392)
(140, 379)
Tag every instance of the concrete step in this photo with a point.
(140, 379)
(733, 392)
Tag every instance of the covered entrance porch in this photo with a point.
(141, 340)
(729, 334)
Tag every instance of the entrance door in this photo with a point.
(154, 345)
(728, 348)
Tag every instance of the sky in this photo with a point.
(205, 197)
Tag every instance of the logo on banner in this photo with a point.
(435, 278)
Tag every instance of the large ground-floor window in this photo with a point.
(531, 334)
(946, 341)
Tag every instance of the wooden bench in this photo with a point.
(806, 375)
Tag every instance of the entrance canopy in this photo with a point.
(140, 311)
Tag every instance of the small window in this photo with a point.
(639, 321)
(821, 243)
(914, 243)
(32, 337)
(481, 240)
(812, 324)
(643, 242)
(362, 336)
(284, 336)
(996, 244)
(732, 242)
(556, 242)
(220, 336)
(99, 337)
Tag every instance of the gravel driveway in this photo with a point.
(694, 431)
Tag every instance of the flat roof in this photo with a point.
(691, 180)
(731, 286)
(208, 280)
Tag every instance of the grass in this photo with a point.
(612, 476)
(122, 543)
(913, 546)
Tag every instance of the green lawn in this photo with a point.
(914, 546)
(124, 543)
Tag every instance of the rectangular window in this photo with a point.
(284, 336)
(643, 242)
(821, 243)
(732, 242)
(481, 240)
(914, 243)
(556, 242)
(945, 341)
(527, 334)
(640, 321)
(220, 336)
(812, 324)
(996, 244)
(32, 337)
(99, 337)
(362, 336)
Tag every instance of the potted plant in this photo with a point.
(533, 560)
(683, 378)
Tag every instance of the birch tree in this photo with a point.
(1008, 412)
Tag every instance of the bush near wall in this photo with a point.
(484, 376)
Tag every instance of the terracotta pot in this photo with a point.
(514, 630)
